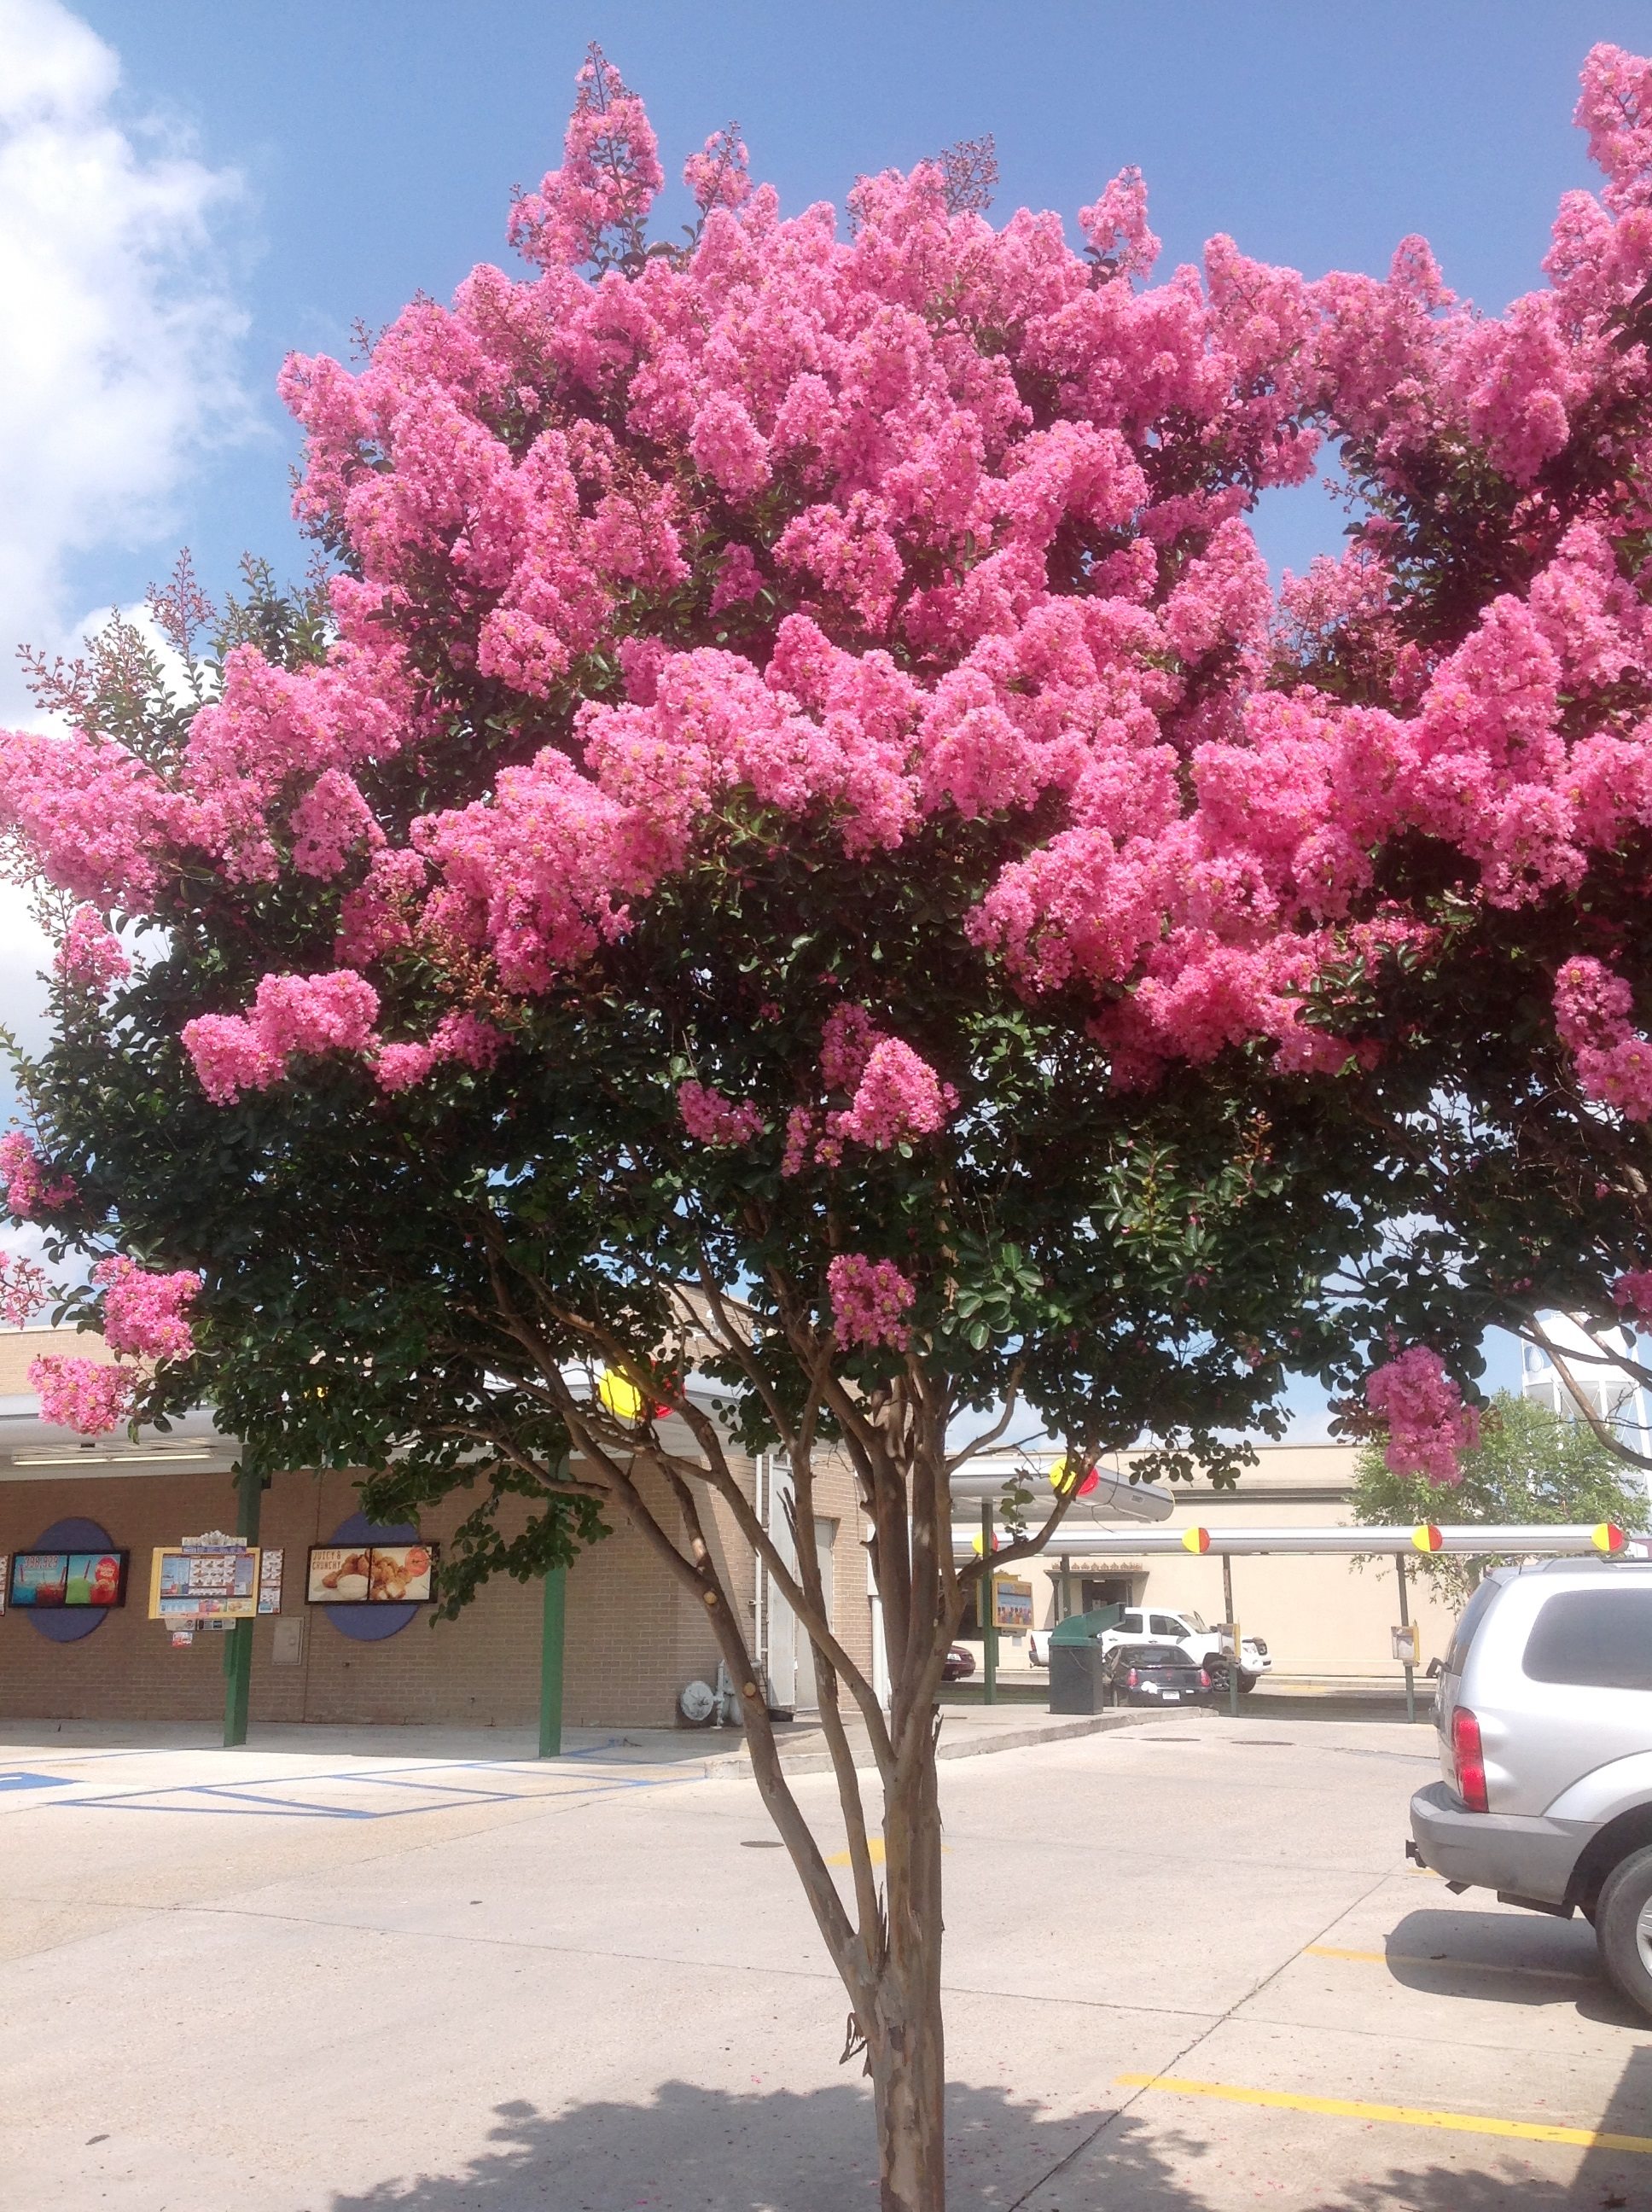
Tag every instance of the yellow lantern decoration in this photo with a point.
(1059, 1475)
(623, 1398)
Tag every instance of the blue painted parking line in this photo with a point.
(20, 1780)
(239, 1799)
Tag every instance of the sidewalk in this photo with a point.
(966, 1732)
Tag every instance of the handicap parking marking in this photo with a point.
(1405, 2116)
(21, 1778)
(300, 1797)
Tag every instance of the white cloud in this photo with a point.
(118, 349)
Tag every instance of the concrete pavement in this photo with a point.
(1187, 1969)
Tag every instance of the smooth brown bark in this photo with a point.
(906, 2044)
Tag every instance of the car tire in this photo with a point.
(1623, 1928)
(1248, 1683)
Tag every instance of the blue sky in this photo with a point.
(188, 190)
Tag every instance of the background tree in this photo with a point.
(1530, 1465)
(792, 836)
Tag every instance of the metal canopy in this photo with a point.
(1534, 1539)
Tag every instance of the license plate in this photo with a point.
(1173, 1697)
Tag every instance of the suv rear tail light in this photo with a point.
(1131, 1679)
(1203, 1678)
(1469, 1759)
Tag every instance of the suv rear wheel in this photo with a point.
(1623, 1927)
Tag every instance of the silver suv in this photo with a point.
(1545, 1713)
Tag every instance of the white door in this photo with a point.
(880, 1682)
(808, 1694)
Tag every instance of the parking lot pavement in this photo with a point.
(1188, 1971)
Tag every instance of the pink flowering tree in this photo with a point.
(792, 839)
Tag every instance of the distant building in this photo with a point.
(1614, 1395)
(1325, 1621)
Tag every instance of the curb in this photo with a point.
(736, 1765)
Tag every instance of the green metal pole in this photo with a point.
(1066, 1591)
(1233, 1663)
(1405, 1622)
(988, 1632)
(551, 1663)
(238, 1644)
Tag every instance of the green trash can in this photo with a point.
(1076, 1659)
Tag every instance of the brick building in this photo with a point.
(633, 1636)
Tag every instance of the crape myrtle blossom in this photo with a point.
(1429, 1424)
(921, 542)
(31, 1191)
(90, 955)
(711, 1119)
(25, 1288)
(81, 1394)
(145, 1313)
(144, 1318)
(870, 1299)
(1632, 1293)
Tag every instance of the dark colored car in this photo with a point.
(957, 1663)
(1153, 1675)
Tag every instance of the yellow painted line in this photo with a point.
(874, 1852)
(1405, 2116)
(1422, 1959)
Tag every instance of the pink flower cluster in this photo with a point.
(81, 1394)
(290, 1014)
(869, 1300)
(719, 174)
(1429, 1427)
(146, 1314)
(1592, 1009)
(1632, 1293)
(899, 1096)
(895, 1095)
(24, 1289)
(466, 1039)
(999, 615)
(90, 955)
(711, 1119)
(31, 1190)
(609, 175)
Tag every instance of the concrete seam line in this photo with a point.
(1192, 2043)
(1409, 2116)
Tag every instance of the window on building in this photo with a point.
(1596, 1639)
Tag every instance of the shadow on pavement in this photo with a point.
(692, 2149)
(1524, 1959)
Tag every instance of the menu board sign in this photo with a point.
(269, 1566)
(191, 1583)
(1013, 1603)
(42, 1579)
(371, 1574)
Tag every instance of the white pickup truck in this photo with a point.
(1146, 1625)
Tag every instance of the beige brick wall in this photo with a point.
(634, 1635)
(18, 1346)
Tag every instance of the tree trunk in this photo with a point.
(905, 2041)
